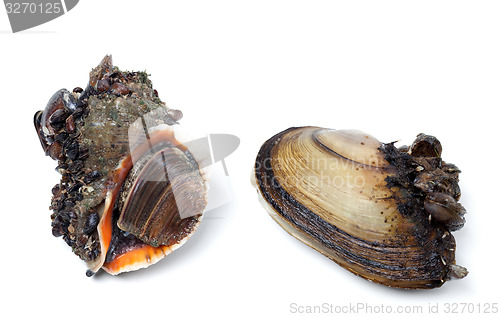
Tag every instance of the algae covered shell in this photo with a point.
(380, 212)
(133, 188)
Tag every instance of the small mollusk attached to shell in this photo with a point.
(382, 213)
(133, 187)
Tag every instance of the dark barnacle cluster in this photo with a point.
(429, 182)
(59, 129)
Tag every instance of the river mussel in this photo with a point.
(132, 188)
(381, 212)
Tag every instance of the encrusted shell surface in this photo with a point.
(131, 191)
(382, 213)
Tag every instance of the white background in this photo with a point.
(253, 68)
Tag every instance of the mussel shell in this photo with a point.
(334, 191)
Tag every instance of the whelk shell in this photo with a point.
(382, 213)
(132, 188)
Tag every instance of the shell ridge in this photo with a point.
(325, 147)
